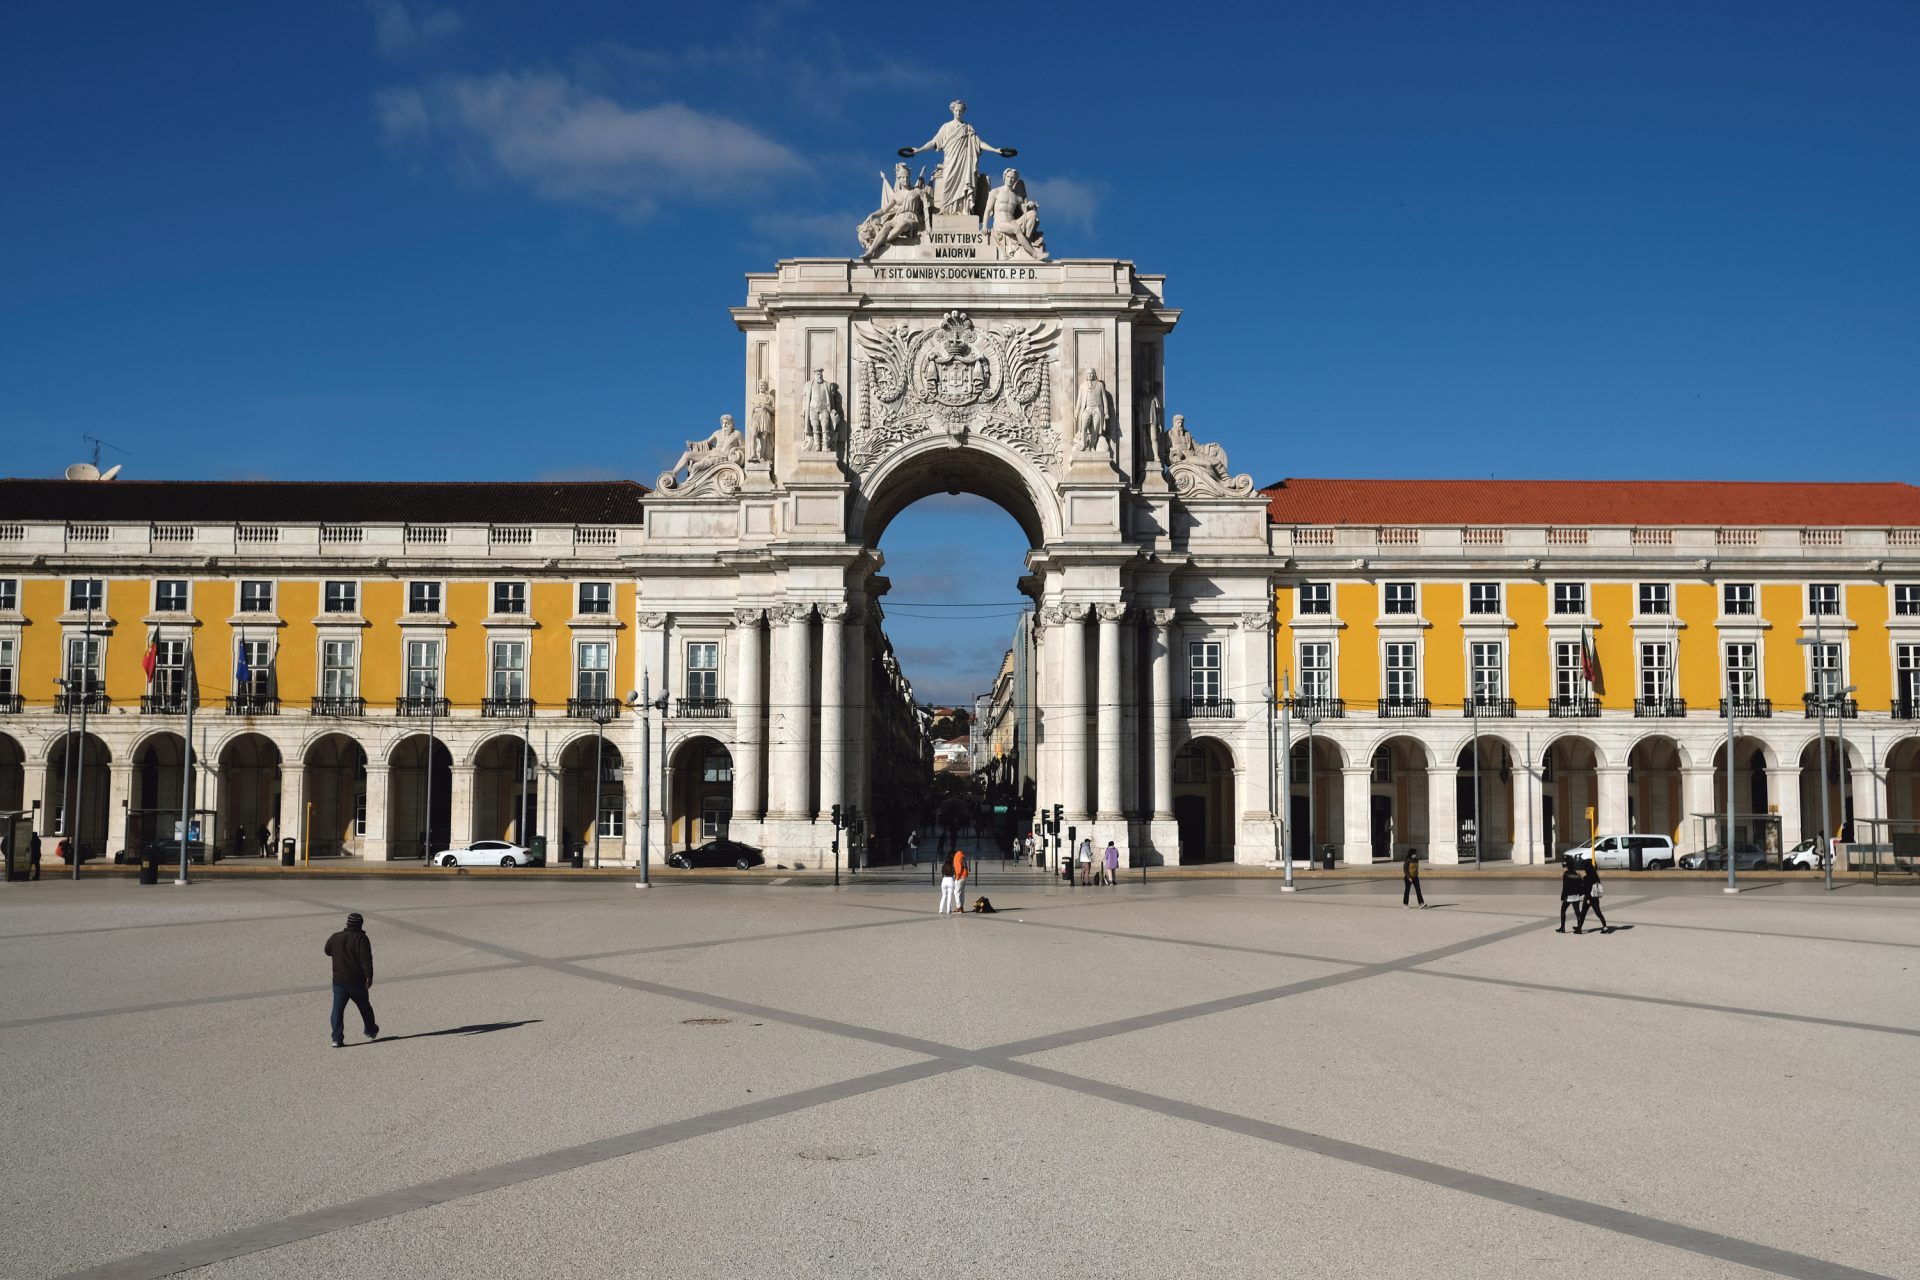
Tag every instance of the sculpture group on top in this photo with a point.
(958, 191)
(716, 464)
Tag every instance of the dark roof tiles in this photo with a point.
(1644, 503)
(326, 501)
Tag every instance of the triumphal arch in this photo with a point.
(960, 351)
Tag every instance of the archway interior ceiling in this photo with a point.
(952, 471)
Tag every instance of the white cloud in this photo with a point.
(568, 144)
(1066, 200)
(400, 29)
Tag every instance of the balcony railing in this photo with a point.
(599, 710)
(252, 704)
(506, 708)
(1572, 708)
(1747, 708)
(9, 704)
(77, 702)
(166, 703)
(1487, 708)
(336, 705)
(1837, 708)
(1206, 708)
(414, 704)
(1659, 708)
(1314, 710)
(1405, 708)
(702, 708)
(1903, 708)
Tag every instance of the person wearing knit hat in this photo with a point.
(352, 954)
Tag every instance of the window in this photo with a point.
(1656, 598)
(1823, 599)
(509, 670)
(169, 668)
(256, 657)
(613, 815)
(1489, 671)
(1400, 597)
(1316, 598)
(1736, 599)
(423, 597)
(1656, 670)
(423, 668)
(713, 820)
(83, 665)
(703, 670)
(509, 597)
(1316, 670)
(1906, 676)
(1382, 770)
(360, 814)
(256, 596)
(596, 597)
(337, 669)
(1823, 674)
(1190, 764)
(1483, 597)
(1403, 676)
(340, 597)
(1203, 670)
(592, 669)
(1743, 672)
(9, 594)
(1569, 673)
(1569, 597)
(84, 594)
(9, 671)
(170, 595)
(1906, 600)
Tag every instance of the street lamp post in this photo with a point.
(1310, 711)
(188, 690)
(79, 790)
(1846, 779)
(1726, 835)
(639, 698)
(1286, 776)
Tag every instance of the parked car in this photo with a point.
(1746, 857)
(718, 853)
(167, 853)
(1627, 852)
(488, 853)
(1805, 856)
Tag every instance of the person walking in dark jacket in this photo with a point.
(1590, 892)
(352, 953)
(1410, 880)
(1572, 893)
(33, 855)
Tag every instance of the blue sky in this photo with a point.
(459, 240)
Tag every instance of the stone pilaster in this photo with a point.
(377, 844)
(1356, 812)
(749, 715)
(1610, 808)
(1443, 812)
(790, 713)
(1162, 715)
(1110, 712)
(1073, 729)
(1696, 786)
(833, 707)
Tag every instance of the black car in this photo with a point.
(718, 853)
(167, 853)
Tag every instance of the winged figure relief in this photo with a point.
(1024, 367)
(890, 352)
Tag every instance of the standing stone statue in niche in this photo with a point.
(760, 423)
(958, 185)
(823, 414)
(1092, 414)
(1152, 445)
(1015, 220)
(724, 449)
(905, 212)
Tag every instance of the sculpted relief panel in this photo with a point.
(951, 380)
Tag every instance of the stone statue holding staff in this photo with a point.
(957, 186)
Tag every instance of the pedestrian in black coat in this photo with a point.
(1410, 876)
(352, 953)
(1590, 892)
(1573, 892)
(33, 855)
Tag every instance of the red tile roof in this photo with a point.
(326, 501)
(1662, 503)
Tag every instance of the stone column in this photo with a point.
(1110, 712)
(460, 803)
(1443, 812)
(1074, 728)
(291, 820)
(855, 683)
(790, 713)
(1697, 797)
(113, 833)
(833, 707)
(33, 786)
(1356, 809)
(376, 845)
(1783, 791)
(749, 714)
(1610, 807)
(1163, 715)
(1258, 732)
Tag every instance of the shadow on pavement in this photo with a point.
(472, 1029)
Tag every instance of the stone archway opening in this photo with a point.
(1656, 803)
(1203, 801)
(593, 814)
(77, 799)
(1483, 795)
(13, 775)
(247, 805)
(419, 797)
(1755, 826)
(334, 784)
(1569, 791)
(153, 801)
(1317, 808)
(506, 790)
(699, 793)
(1398, 790)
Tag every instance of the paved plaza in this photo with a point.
(1185, 1078)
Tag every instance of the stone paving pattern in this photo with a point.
(1186, 1078)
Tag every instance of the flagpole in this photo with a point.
(186, 774)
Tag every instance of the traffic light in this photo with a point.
(836, 817)
(1059, 812)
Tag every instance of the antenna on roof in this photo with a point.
(91, 470)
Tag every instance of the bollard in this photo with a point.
(149, 871)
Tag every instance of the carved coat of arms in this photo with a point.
(950, 380)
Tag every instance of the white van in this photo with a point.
(1653, 853)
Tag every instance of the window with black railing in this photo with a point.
(337, 704)
(1400, 706)
(592, 707)
(252, 704)
(1484, 706)
(703, 708)
(420, 704)
(1316, 709)
(1747, 708)
(1833, 706)
(1659, 707)
(1206, 708)
(1572, 706)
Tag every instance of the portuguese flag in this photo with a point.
(1590, 661)
(152, 660)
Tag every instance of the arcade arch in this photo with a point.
(1203, 800)
(699, 792)
(419, 797)
(248, 797)
(506, 790)
(334, 784)
(13, 774)
(83, 774)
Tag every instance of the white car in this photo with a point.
(1653, 853)
(1805, 856)
(487, 853)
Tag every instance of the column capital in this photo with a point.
(1111, 612)
(653, 621)
(1258, 622)
(1162, 617)
(832, 612)
(1074, 612)
(781, 614)
(748, 617)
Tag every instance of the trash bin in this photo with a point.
(286, 852)
(539, 850)
(149, 870)
(1326, 856)
(579, 855)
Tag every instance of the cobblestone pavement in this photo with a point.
(1185, 1078)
